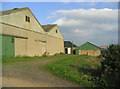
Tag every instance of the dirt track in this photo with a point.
(30, 74)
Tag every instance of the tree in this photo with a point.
(110, 65)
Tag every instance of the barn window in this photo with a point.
(27, 18)
(56, 31)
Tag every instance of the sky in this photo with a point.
(96, 22)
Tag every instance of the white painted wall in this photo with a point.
(69, 50)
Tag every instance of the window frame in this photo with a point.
(56, 31)
(27, 19)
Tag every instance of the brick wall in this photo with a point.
(90, 52)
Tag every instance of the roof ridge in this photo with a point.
(14, 10)
(94, 44)
(87, 47)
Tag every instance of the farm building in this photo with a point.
(69, 47)
(23, 35)
(54, 39)
(88, 49)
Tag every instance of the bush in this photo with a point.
(62, 53)
(110, 66)
(56, 54)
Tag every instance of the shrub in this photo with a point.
(56, 54)
(62, 53)
(110, 66)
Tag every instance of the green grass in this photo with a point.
(27, 58)
(80, 69)
(83, 70)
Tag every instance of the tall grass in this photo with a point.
(80, 69)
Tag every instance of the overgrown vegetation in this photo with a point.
(90, 71)
(111, 66)
(83, 70)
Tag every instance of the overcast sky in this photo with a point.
(79, 22)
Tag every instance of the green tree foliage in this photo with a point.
(110, 65)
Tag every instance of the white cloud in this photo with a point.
(89, 15)
(81, 25)
(81, 33)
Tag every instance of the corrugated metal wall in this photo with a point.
(8, 50)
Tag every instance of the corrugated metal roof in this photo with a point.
(48, 27)
(14, 10)
(69, 44)
(88, 46)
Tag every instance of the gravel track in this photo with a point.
(31, 74)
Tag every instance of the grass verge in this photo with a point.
(27, 58)
(80, 69)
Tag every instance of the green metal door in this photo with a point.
(8, 49)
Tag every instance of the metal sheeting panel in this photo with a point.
(8, 50)
(88, 46)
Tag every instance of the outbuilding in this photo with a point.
(69, 47)
(88, 49)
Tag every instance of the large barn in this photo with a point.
(23, 35)
(88, 49)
